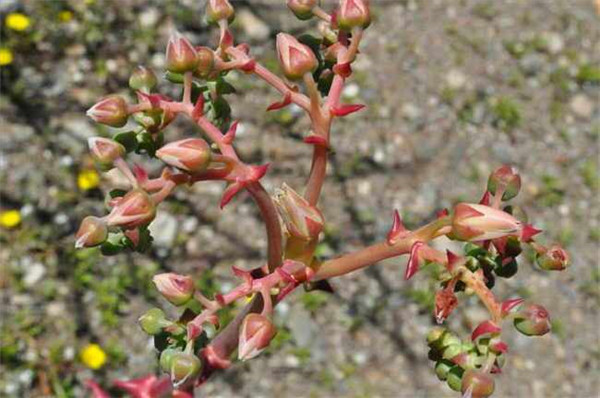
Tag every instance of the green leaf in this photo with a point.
(113, 245)
(117, 193)
(176, 78)
(127, 139)
(145, 240)
(223, 87)
(146, 144)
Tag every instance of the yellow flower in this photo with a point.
(65, 16)
(10, 218)
(88, 179)
(93, 356)
(6, 56)
(17, 21)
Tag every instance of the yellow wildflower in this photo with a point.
(17, 21)
(93, 356)
(88, 179)
(6, 56)
(65, 16)
(10, 218)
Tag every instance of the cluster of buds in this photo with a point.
(196, 343)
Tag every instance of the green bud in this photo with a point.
(153, 321)
(442, 368)
(166, 358)
(451, 351)
(435, 334)
(142, 79)
(450, 339)
(507, 270)
(454, 378)
(184, 368)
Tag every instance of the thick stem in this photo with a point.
(321, 14)
(297, 98)
(317, 174)
(187, 88)
(476, 283)
(272, 225)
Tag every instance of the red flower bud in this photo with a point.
(105, 151)
(534, 320)
(302, 9)
(256, 333)
(191, 154)
(111, 110)
(92, 232)
(473, 222)
(142, 79)
(507, 179)
(445, 303)
(217, 10)
(133, 210)
(177, 289)
(184, 368)
(295, 58)
(181, 55)
(477, 383)
(206, 62)
(301, 220)
(353, 13)
(555, 258)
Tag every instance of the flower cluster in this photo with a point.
(196, 343)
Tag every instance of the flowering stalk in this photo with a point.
(198, 344)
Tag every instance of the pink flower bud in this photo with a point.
(111, 110)
(534, 320)
(507, 179)
(105, 151)
(473, 222)
(191, 154)
(177, 289)
(301, 220)
(256, 333)
(555, 258)
(477, 383)
(302, 9)
(295, 58)
(133, 210)
(206, 62)
(92, 232)
(181, 55)
(333, 51)
(217, 10)
(353, 13)
(143, 79)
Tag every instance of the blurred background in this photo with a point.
(453, 89)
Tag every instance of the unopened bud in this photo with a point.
(191, 154)
(442, 368)
(445, 303)
(135, 209)
(105, 151)
(166, 357)
(534, 320)
(178, 289)
(206, 62)
(256, 333)
(478, 383)
(454, 378)
(295, 58)
(181, 55)
(555, 258)
(333, 51)
(153, 321)
(301, 220)
(142, 79)
(507, 179)
(184, 368)
(92, 232)
(111, 110)
(353, 13)
(474, 222)
(217, 10)
(302, 9)
(435, 335)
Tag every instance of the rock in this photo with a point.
(253, 27)
(582, 106)
(554, 42)
(411, 111)
(33, 274)
(456, 79)
(302, 326)
(351, 91)
(164, 229)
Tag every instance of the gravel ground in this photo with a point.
(453, 89)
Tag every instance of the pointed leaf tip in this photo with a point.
(509, 305)
(528, 232)
(286, 100)
(229, 193)
(346, 109)
(413, 262)
(230, 135)
(397, 228)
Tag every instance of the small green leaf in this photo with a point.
(223, 87)
(176, 78)
(113, 245)
(127, 139)
(117, 193)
